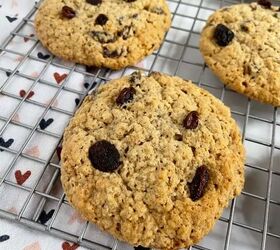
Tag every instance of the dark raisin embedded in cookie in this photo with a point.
(191, 120)
(104, 156)
(178, 137)
(68, 12)
(101, 19)
(125, 96)
(199, 183)
(265, 3)
(111, 54)
(223, 35)
(94, 2)
(141, 248)
(129, 1)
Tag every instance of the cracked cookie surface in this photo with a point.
(107, 33)
(249, 63)
(177, 160)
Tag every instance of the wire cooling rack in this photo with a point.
(251, 221)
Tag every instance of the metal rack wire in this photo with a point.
(179, 64)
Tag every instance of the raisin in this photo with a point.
(223, 35)
(94, 2)
(68, 12)
(245, 84)
(126, 95)
(101, 19)
(111, 54)
(129, 1)
(199, 183)
(265, 3)
(178, 137)
(141, 248)
(191, 120)
(104, 156)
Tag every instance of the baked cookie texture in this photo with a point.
(250, 63)
(102, 33)
(149, 200)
